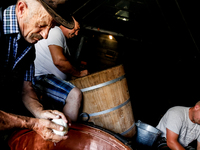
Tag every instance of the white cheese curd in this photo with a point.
(62, 123)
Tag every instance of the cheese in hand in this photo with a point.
(62, 123)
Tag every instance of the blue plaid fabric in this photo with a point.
(53, 88)
(10, 21)
(10, 26)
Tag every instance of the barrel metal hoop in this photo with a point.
(102, 84)
(128, 130)
(108, 110)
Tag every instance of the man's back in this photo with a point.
(177, 120)
(43, 62)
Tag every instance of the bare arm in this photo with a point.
(42, 126)
(10, 121)
(172, 141)
(32, 103)
(61, 62)
(198, 145)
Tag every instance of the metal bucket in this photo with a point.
(146, 135)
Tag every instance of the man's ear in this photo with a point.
(196, 107)
(21, 8)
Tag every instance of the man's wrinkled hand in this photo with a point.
(53, 114)
(44, 128)
(84, 73)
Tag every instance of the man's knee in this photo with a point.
(75, 93)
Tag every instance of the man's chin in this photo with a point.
(32, 41)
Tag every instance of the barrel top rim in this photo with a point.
(102, 71)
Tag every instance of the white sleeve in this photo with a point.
(55, 37)
(174, 120)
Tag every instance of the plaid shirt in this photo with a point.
(10, 27)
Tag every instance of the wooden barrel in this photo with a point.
(107, 101)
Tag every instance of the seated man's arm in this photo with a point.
(42, 126)
(172, 141)
(198, 145)
(32, 103)
(61, 62)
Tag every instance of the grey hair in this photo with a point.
(34, 7)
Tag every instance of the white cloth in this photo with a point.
(43, 62)
(177, 120)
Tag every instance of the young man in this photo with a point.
(180, 126)
(52, 67)
(22, 25)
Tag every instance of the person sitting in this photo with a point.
(52, 67)
(180, 126)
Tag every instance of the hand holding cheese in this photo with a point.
(62, 123)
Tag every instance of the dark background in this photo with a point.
(158, 45)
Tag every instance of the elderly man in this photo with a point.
(22, 25)
(180, 126)
(52, 67)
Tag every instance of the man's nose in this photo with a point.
(45, 32)
(76, 33)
